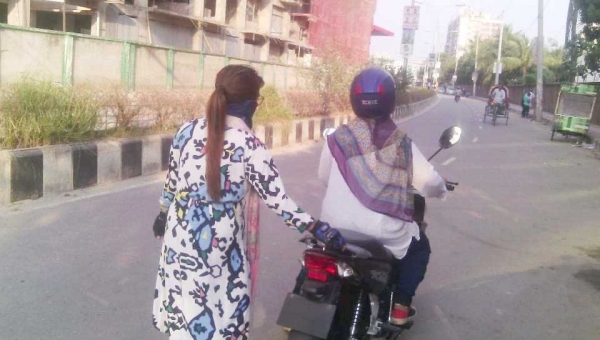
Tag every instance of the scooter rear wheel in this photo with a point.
(296, 335)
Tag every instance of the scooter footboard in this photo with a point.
(306, 316)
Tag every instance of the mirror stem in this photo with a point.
(440, 149)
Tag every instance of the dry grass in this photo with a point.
(304, 103)
(34, 113)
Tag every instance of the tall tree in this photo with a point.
(519, 54)
(447, 62)
(589, 11)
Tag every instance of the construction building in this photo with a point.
(464, 30)
(277, 31)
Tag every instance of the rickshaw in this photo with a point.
(492, 111)
(574, 109)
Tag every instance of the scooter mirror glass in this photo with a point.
(450, 137)
(327, 132)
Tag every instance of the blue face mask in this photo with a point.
(244, 110)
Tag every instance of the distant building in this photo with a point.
(346, 25)
(464, 29)
(281, 31)
(416, 68)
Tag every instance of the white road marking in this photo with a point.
(449, 160)
(475, 139)
(98, 299)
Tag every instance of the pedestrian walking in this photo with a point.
(218, 173)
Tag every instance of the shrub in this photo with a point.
(273, 108)
(304, 103)
(34, 113)
(169, 109)
(414, 95)
(331, 78)
(120, 108)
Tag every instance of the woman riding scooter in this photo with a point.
(371, 167)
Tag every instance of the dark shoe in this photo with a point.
(402, 314)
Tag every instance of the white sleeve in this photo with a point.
(425, 179)
(325, 164)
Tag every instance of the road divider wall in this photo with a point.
(51, 170)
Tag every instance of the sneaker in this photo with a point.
(402, 314)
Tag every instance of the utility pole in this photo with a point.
(455, 76)
(435, 60)
(475, 74)
(540, 62)
(499, 54)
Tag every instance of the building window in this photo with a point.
(277, 20)
(252, 49)
(76, 23)
(210, 7)
(232, 46)
(252, 15)
(275, 52)
(3, 13)
(212, 39)
(231, 11)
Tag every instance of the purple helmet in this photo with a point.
(373, 93)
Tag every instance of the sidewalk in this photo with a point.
(548, 118)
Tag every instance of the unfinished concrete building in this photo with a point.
(277, 31)
(260, 30)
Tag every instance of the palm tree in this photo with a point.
(519, 54)
(518, 58)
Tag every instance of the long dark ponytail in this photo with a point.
(234, 84)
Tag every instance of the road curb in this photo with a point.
(50, 170)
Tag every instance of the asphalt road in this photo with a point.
(516, 248)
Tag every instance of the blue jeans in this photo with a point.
(410, 270)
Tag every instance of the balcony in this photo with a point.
(56, 6)
(304, 16)
(298, 35)
(292, 3)
(175, 7)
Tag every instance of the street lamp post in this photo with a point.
(475, 73)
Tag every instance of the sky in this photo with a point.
(521, 14)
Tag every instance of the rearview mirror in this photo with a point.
(328, 131)
(450, 137)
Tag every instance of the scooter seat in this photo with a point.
(369, 246)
